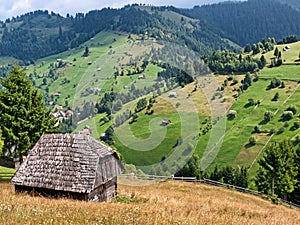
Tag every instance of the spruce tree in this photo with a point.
(23, 115)
(263, 61)
(276, 52)
(270, 166)
(278, 170)
(289, 171)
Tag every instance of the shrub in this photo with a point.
(281, 130)
(292, 108)
(276, 96)
(252, 141)
(287, 115)
(296, 124)
(268, 116)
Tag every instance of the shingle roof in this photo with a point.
(68, 162)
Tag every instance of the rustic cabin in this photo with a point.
(71, 165)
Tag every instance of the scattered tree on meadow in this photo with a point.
(276, 51)
(268, 116)
(141, 104)
(86, 52)
(252, 140)
(23, 115)
(263, 62)
(276, 96)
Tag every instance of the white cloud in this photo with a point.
(18, 7)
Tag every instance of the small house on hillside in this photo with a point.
(165, 122)
(232, 113)
(73, 165)
(172, 95)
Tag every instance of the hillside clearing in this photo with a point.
(162, 203)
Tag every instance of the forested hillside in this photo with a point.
(39, 34)
(249, 21)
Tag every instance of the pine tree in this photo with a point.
(278, 170)
(296, 193)
(289, 171)
(23, 115)
(270, 166)
(263, 61)
(276, 51)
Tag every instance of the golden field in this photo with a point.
(170, 202)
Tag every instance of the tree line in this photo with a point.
(38, 34)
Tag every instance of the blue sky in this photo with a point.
(9, 8)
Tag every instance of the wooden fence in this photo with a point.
(211, 182)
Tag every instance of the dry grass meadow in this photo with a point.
(162, 203)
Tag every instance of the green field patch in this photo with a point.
(140, 129)
(97, 128)
(285, 72)
(140, 80)
(251, 151)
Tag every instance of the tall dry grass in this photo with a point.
(162, 203)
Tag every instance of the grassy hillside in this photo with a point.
(162, 203)
(235, 149)
(110, 52)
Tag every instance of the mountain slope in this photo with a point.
(250, 21)
(39, 34)
(161, 203)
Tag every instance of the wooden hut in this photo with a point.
(72, 165)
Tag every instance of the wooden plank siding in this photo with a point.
(70, 163)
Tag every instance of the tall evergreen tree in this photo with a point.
(278, 170)
(296, 193)
(289, 171)
(263, 61)
(23, 115)
(276, 52)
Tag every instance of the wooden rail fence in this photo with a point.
(210, 182)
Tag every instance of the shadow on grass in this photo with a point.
(249, 145)
(293, 128)
(230, 117)
(263, 122)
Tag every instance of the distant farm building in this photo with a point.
(286, 48)
(232, 113)
(72, 165)
(173, 95)
(142, 77)
(165, 122)
(69, 113)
